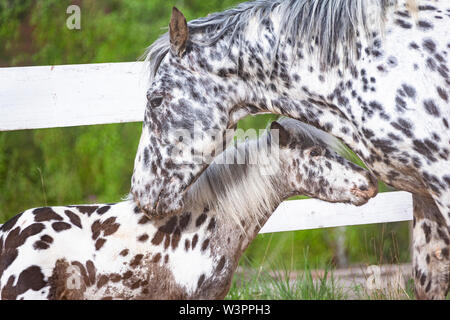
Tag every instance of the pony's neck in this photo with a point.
(221, 242)
(244, 234)
(291, 80)
(234, 239)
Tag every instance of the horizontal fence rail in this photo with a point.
(313, 214)
(89, 94)
(72, 95)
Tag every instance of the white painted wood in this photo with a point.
(314, 214)
(72, 95)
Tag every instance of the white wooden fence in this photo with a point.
(75, 95)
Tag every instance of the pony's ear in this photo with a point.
(179, 32)
(283, 134)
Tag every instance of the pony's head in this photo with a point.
(311, 164)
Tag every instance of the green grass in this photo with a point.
(277, 276)
(277, 284)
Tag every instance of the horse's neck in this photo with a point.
(233, 239)
(318, 97)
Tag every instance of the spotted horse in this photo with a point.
(374, 73)
(116, 251)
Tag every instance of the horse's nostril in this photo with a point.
(363, 188)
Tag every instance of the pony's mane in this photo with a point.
(250, 190)
(330, 24)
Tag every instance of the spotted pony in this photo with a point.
(374, 73)
(115, 251)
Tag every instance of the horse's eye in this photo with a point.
(155, 102)
(315, 152)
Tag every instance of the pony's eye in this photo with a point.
(315, 152)
(155, 102)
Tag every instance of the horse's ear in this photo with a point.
(283, 134)
(179, 32)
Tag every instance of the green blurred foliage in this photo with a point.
(94, 164)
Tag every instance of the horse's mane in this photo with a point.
(243, 192)
(330, 24)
